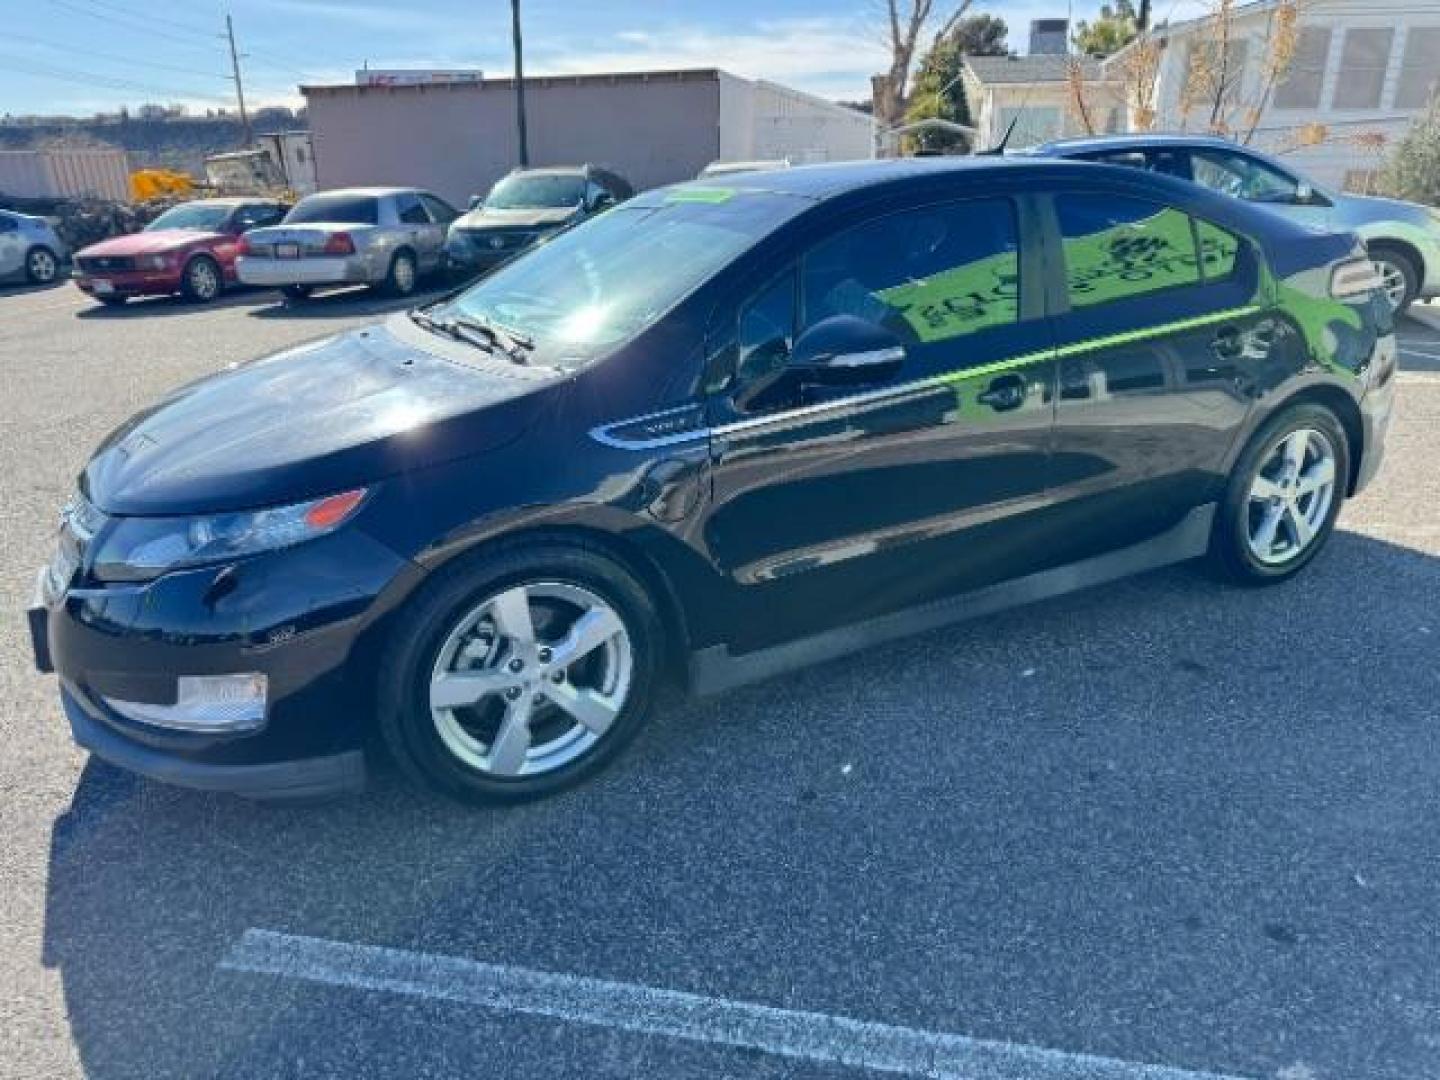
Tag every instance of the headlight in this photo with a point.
(135, 548)
(155, 262)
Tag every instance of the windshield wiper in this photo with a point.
(486, 336)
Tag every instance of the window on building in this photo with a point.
(1419, 68)
(1117, 248)
(1363, 60)
(1208, 78)
(929, 274)
(1300, 88)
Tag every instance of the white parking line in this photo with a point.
(807, 1036)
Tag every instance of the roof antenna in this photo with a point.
(999, 148)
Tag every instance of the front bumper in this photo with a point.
(298, 616)
(129, 283)
(309, 270)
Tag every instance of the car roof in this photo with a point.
(230, 200)
(554, 170)
(370, 192)
(819, 182)
(1084, 143)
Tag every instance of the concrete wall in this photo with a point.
(44, 174)
(458, 140)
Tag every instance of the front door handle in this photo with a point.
(1005, 393)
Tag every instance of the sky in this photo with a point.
(85, 56)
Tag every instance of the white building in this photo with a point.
(1363, 70)
(1037, 93)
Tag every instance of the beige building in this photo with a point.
(1037, 93)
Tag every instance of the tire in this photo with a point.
(201, 282)
(1399, 274)
(296, 292)
(1263, 487)
(41, 266)
(452, 627)
(403, 275)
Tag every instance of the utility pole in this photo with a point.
(519, 84)
(239, 86)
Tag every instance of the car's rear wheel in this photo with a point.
(403, 275)
(296, 292)
(1283, 497)
(41, 266)
(519, 674)
(1399, 276)
(200, 283)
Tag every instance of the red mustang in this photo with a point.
(189, 249)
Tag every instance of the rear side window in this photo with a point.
(411, 212)
(1117, 248)
(929, 274)
(441, 212)
(347, 209)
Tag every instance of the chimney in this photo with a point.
(1049, 37)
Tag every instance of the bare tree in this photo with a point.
(905, 22)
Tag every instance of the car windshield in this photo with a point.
(536, 192)
(603, 282)
(203, 217)
(347, 209)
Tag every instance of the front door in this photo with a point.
(1162, 317)
(833, 506)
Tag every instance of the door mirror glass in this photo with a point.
(845, 350)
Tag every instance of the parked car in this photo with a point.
(189, 249)
(30, 250)
(730, 168)
(385, 237)
(529, 205)
(1403, 238)
(714, 434)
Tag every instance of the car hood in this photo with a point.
(1354, 210)
(325, 417)
(150, 243)
(519, 218)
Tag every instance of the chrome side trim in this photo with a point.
(604, 433)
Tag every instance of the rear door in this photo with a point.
(833, 507)
(1158, 317)
(422, 232)
(12, 246)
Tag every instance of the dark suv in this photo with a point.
(526, 206)
(716, 433)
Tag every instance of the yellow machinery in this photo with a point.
(146, 184)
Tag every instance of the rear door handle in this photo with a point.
(1005, 393)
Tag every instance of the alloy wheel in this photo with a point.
(41, 267)
(1393, 281)
(404, 275)
(1290, 496)
(530, 679)
(204, 282)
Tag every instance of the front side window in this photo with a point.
(1242, 177)
(1118, 248)
(411, 212)
(766, 330)
(202, 217)
(928, 274)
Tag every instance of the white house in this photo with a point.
(1362, 71)
(1036, 92)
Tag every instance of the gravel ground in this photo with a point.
(1162, 822)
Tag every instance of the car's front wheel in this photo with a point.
(1283, 497)
(41, 266)
(201, 281)
(1399, 276)
(403, 275)
(519, 674)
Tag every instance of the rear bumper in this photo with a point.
(303, 778)
(311, 270)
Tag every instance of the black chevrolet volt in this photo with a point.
(715, 433)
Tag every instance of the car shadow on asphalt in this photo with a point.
(1163, 820)
(150, 307)
(343, 303)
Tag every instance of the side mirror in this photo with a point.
(476, 202)
(603, 201)
(844, 350)
(1304, 193)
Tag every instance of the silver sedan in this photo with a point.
(385, 237)
(30, 250)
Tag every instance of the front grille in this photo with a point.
(94, 263)
(498, 239)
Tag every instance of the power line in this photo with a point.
(128, 60)
(108, 82)
(133, 27)
(168, 21)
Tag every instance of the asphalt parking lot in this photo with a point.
(1166, 824)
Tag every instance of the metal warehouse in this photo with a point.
(656, 127)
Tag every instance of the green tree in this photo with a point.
(939, 92)
(1413, 171)
(1112, 31)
